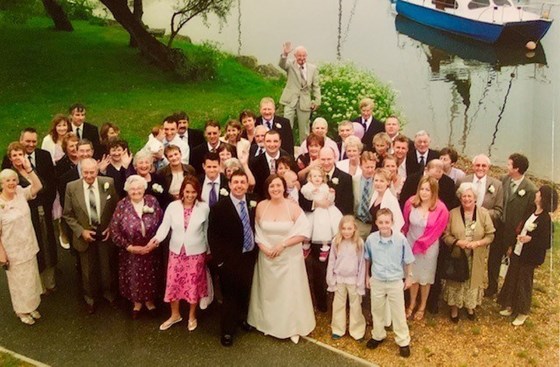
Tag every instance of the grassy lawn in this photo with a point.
(42, 72)
(8, 360)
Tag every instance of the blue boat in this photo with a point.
(488, 21)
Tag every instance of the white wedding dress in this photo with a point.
(280, 302)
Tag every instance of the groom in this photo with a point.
(231, 238)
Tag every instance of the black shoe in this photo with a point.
(245, 326)
(471, 316)
(404, 351)
(372, 343)
(226, 340)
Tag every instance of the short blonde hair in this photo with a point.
(367, 102)
(354, 141)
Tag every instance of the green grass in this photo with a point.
(42, 72)
(8, 360)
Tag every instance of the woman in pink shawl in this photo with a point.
(425, 219)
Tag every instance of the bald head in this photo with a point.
(326, 156)
(434, 168)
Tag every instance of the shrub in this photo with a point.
(344, 85)
(199, 63)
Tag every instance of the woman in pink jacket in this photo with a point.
(425, 219)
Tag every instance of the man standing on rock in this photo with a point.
(302, 93)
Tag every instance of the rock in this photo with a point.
(269, 71)
(250, 62)
(186, 39)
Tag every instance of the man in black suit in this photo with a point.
(280, 124)
(193, 137)
(257, 148)
(41, 206)
(265, 164)
(341, 182)
(83, 129)
(212, 143)
(421, 154)
(214, 183)
(232, 242)
(370, 124)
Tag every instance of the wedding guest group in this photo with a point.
(277, 231)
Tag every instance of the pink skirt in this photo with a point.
(186, 278)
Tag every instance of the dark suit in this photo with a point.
(446, 191)
(253, 153)
(91, 133)
(317, 270)
(225, 238)
(223, 184)
(197, 156)
(194, 138)
(261, 170)
(285, 131)
(412, 165)
(375, 127)
(97, 259)
(515, 207)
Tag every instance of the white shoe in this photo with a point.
(35, 314)
(506, 312)
(192, 325)
(519, 320)
(26, 319)
(167, 324)
(295, 339)
(64, 245)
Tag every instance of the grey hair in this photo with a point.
(142, 154)
(132, 180)
(466, 186)
(233, 163)
(482, 156)
(421, 133)
(319, 120)
(8, 173)
(300, 48)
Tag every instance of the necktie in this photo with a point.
(269, 124)
(364, 124)
(513, 187)
(248, 241)
(93, 215)
(422, 162)
(272, 166)
(212, 198)
(363, 212)
(302, 74)
(79, 133)
(480, 193)
(31, 161)
(259, 151)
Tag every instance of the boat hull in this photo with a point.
(481, 31)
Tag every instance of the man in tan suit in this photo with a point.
(88, 207)
(302, 93)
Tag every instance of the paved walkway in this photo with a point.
(67, 336)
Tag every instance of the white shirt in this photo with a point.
(206, 186)
(269, 160)
(96, 194)
(516, 183)
(31, 158)
(480, 187)
(401, 170)
(425, 155)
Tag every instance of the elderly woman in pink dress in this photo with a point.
(18, 244)
(188, 277)
(135, 221)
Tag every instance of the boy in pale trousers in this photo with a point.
(390, 256)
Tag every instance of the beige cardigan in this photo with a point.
(483, 232)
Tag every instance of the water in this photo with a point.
(480, 99)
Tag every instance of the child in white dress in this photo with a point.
(323, 220)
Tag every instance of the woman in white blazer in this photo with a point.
(382, 197)
(187, 274)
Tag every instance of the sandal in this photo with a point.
(419, 315)
(409, 312)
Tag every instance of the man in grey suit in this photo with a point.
(302, 93)
(490, 193)
(519, 195)
(88, 207)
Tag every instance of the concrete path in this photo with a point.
(67, 336)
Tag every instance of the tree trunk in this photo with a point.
(137, 11)
(58, 16)
(167, 59)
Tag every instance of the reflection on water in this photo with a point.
(479, 98)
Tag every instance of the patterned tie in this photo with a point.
(363, 211)
(422, 162)
(93, 215)
(268, 124)
(302, 74)
(248, 241)
(212, 198)
(272, 166)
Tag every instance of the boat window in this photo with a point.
(477, 4)
(502, 2)
(442, 4)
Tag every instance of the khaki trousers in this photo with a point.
(393, 294)
(357, 326)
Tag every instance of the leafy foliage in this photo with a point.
(343, 85)
(19, 11)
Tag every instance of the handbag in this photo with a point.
(456, 267)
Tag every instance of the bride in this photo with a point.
(280, 302)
